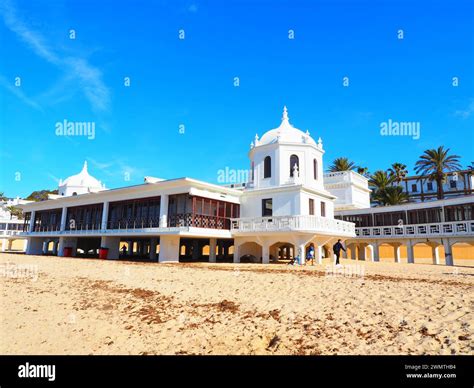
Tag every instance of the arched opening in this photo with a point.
(267, 167)
(463, 254)
(315, 169)
(294, 161)
(250, 252)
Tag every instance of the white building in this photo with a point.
(81, 183)
(287, 206)
(10, 225)
(279, 214)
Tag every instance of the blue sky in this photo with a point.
(190, 82)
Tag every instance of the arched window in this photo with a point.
(294, 160)
(315, 169)
(267, 167)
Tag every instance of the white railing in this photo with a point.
(9, 232)
(459, 228)
(314, 224)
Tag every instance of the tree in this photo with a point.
(341, 164)
(392, 195)
(398, 171)
(434, 164)
(379, 181)
(363, 171)
(15, 211)
(40, 195)
(2, 197)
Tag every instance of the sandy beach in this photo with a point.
(53, 305)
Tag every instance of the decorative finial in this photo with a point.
(251, 144)
(320, 143)
(84, 169)
(285, 114)
(296, 173)
(256, 140)
(307, 133)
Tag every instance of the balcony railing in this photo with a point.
(459, 228)
(198, 221)
(314, 224)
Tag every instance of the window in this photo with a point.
(267, 167)
(252, 171)
(323, 209)
(414, 188)
(267, 207)
(430, 186)
(452, 184)
(315, 169)
(311, 207)
(294, 161)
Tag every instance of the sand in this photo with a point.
(91, 306)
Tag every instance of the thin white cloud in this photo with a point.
(465, 113)
(19, 93)
(89, 76)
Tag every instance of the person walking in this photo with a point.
(337, 250)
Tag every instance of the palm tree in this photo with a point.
(379, 181)
(434, 164)
(392, 195)
(341, 164)
(398, 171)
(15, 212)
(363, 171)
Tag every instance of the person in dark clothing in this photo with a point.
(337, 250)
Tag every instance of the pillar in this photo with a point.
(35, 246)
(4, 244)
(25, 244)
(410, 252)
(448, 253)
(130, 248)
(265, 252)
(375, 252)
(319, 254)
(31, 226)
(105, 216)
(153, 244)
(164, 211)
(435, 254)
(63, 219)
(396, 252)
(212, 250)
(302, 254)
(44, 250)
(236, 253)
(169, 249)
(67, 242)
(10, 244)
(113, 243)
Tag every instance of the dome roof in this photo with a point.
(83, 180)
(285, 133)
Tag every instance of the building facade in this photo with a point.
(279, 214)
(288, 206)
